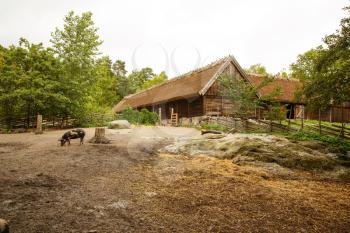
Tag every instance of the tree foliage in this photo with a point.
(244, 96)
(257, 69)
(30, 82)
(325, 70)
(69, 79)
(76, 46)
(139, 117)
(155, 80)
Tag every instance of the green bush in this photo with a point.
(143, 117)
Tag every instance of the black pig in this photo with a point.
(72, 134)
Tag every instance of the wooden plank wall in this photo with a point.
(334, 114)
(189, 107)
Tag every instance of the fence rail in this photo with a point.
(282, 126)
(28, 123)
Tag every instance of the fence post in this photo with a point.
(342, 120)
(319, 121)
(39, 126)
(302, 116)
(160, 115)
(270, 125)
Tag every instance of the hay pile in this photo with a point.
(261, 148)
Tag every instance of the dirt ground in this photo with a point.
(126, 186)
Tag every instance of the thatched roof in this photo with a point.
(197, 82)
(288, 87)
(184, 86)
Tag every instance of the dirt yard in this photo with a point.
(126, 186)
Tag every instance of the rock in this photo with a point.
(151, 194)
(256, 149)
(120, 124)
(213, 136)
(8, 202)
(4, 226)
(121, 204)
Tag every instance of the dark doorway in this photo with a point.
(290, 111)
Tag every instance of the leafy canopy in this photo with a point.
(325, 70)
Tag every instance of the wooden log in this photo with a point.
(210, 131)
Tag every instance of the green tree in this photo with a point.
(10, 73)
(325, 71)
(257, 69)
(105, 89)
(157, 79)
(77, 46)
(30, 82)
(305, 66)
(244, 96)
(123, 88)
(138, 77)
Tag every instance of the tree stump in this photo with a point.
(39, 124)
(99, 137)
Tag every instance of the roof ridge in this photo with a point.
(208, 66)
(274, 77)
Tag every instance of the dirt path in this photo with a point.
(127, 187)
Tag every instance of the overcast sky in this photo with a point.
(177, 36)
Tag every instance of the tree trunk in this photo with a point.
(100, 132)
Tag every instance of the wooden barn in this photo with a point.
(197, 93)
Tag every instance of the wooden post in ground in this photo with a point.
(160, 115)
(342, 120)
(288, 124)
(319, 121)
(302, 116)
(270, 125)
(289, 116)
(39, 124)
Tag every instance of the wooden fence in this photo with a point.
(25, 123)
(268, 126)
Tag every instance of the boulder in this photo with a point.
(120, 124)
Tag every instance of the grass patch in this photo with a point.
(216, 127)
(336, 143)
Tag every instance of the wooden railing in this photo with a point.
(282, 126)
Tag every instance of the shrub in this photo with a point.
(144, 116)
(148, 118)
